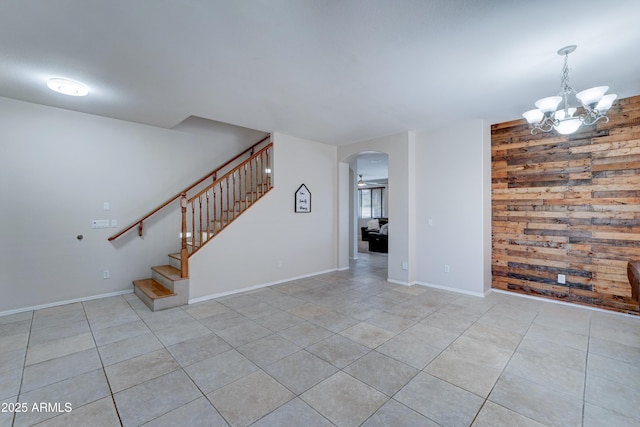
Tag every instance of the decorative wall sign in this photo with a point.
(303, 200)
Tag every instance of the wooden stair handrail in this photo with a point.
(223, 177)
(143, 218)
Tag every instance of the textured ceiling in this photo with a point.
(335, 71)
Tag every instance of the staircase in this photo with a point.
(206, 210)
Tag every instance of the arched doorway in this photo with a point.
(368, 208)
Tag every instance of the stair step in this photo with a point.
(167, 271)
(152, 289)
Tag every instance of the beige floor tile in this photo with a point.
(594, 416)
(134, 371)
(305, 334)
(198, 413)
(120, 332)
(614, 350)
(381, 372)
(75, 392)
(268, 350)
(462, 372)
(338, 350)
(293, 413)
(503, 338)
(101, 413)
(61, 347)
(367, 334)
(407, 349)
(250, 398)
(220, 370)
(151, 399)
(344, 400)
(613, 396)
(243, 333)
(440, 401)
(197, 349)
(59, 369)
(129, 348)
(540, 371)
(44, 335)
(396, 414)
(10, 382)
(492, 415)
(300, 371)
(537, 402)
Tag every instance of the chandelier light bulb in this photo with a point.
(549, 104)
(591, 97)
(568, 126)
(533, 116)
(606, 102)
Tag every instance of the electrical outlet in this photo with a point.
(447, 269)
(279, 263)
(404, 265)
(106, 274)
(562, 279)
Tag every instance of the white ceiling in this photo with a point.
(335, 71)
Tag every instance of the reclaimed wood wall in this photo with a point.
(568, 205)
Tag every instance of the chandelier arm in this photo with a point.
(592, 119)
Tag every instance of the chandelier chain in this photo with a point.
(566, 88)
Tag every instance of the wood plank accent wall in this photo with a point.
(568, 205)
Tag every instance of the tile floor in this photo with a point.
(344, 348)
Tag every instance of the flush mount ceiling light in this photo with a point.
(361, 183)
(67, 87)
(565, 121)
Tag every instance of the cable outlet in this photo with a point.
(106, 274)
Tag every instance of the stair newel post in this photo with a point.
(184, 253)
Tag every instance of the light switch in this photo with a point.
(100, 223)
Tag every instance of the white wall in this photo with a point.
(397, 147)
(57, 168)
(270, 243)
(452, 186)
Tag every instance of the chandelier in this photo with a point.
(564, 120)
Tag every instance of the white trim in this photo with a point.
(569, 304)
(398, 282)
(71, 301)
(354, 258)
(251, 288)
(456, 290)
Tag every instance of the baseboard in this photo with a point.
(585, 307)
(71, 301)
(456, 290)
(398, 282)
(343, 268)
(263, 285)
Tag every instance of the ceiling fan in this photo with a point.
(362, 183)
